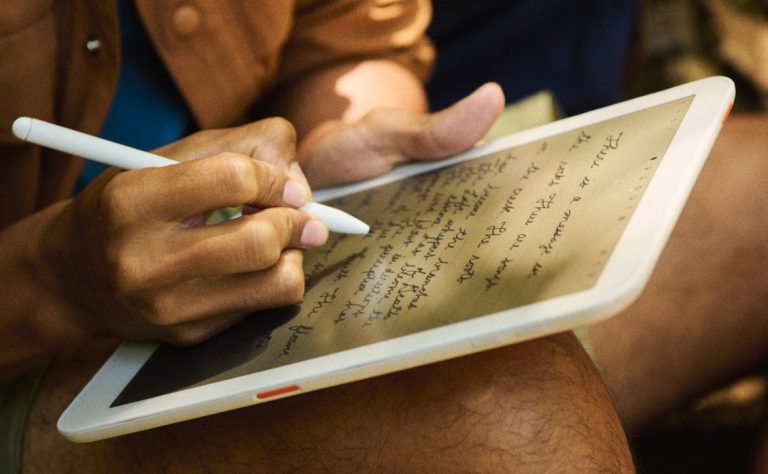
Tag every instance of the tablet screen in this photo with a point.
(514, 227)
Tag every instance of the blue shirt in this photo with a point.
(147, 111)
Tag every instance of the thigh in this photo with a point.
(702, 319)
(527, 407)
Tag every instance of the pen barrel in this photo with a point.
(104, 151)
(92, 148)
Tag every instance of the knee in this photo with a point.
(537, 405)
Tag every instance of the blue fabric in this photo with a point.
(147, 110)
(576, 49)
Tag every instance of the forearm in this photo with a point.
(32, 325)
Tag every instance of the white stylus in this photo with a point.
(93, 148)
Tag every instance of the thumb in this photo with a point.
(337, 153)
(451, 130)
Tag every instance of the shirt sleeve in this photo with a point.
(334, 32)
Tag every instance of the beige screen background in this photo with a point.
(515, 227)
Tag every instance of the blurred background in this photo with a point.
(680, 41)
(684, 40)
(561, 57)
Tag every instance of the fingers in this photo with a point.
(163, 277)
(143, 265)
(280, 285)
(179, 191)
(271, 140)
(252, 243)
(198, 309)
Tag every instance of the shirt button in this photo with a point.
(93, 46)
(186, 20)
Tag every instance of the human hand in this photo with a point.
(335, 152)
(131, 256)
(271, 140)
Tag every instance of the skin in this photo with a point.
(537, 406)
(150, 249)
(534, 407)
(371, 116)
(701, 322)
(125, 272)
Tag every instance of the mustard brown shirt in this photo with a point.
(59, 61)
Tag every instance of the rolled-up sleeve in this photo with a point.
(334, 32)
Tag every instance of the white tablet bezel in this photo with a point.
(90, 416)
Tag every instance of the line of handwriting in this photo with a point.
(541, 204)
(549, 246)
(611, 143)
(580, 140)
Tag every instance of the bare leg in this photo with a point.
(703, 320)
(538, 406)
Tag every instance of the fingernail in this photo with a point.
(314, 234)
(295, 194)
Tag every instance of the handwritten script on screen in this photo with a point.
(514, 227)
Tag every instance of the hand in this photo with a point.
(335, 152)
(271, 140)
(130, 256)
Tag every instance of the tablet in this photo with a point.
(531, 234)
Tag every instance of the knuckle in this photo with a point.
(235, 174)
(125, 274)
(157, 318)
(201, 136)
(270, 187)
(185, 337)
(115, 203)
(264, 239)
(289, 278)
(281, 129)
(159, 312)
(147, 309)
(275, 140)
(132, 272)
(246, 179)
(162, 311)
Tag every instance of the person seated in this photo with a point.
(117, 259)
(700, 323)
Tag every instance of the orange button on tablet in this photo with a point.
(277, 391)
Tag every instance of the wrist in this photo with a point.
(37, 320)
